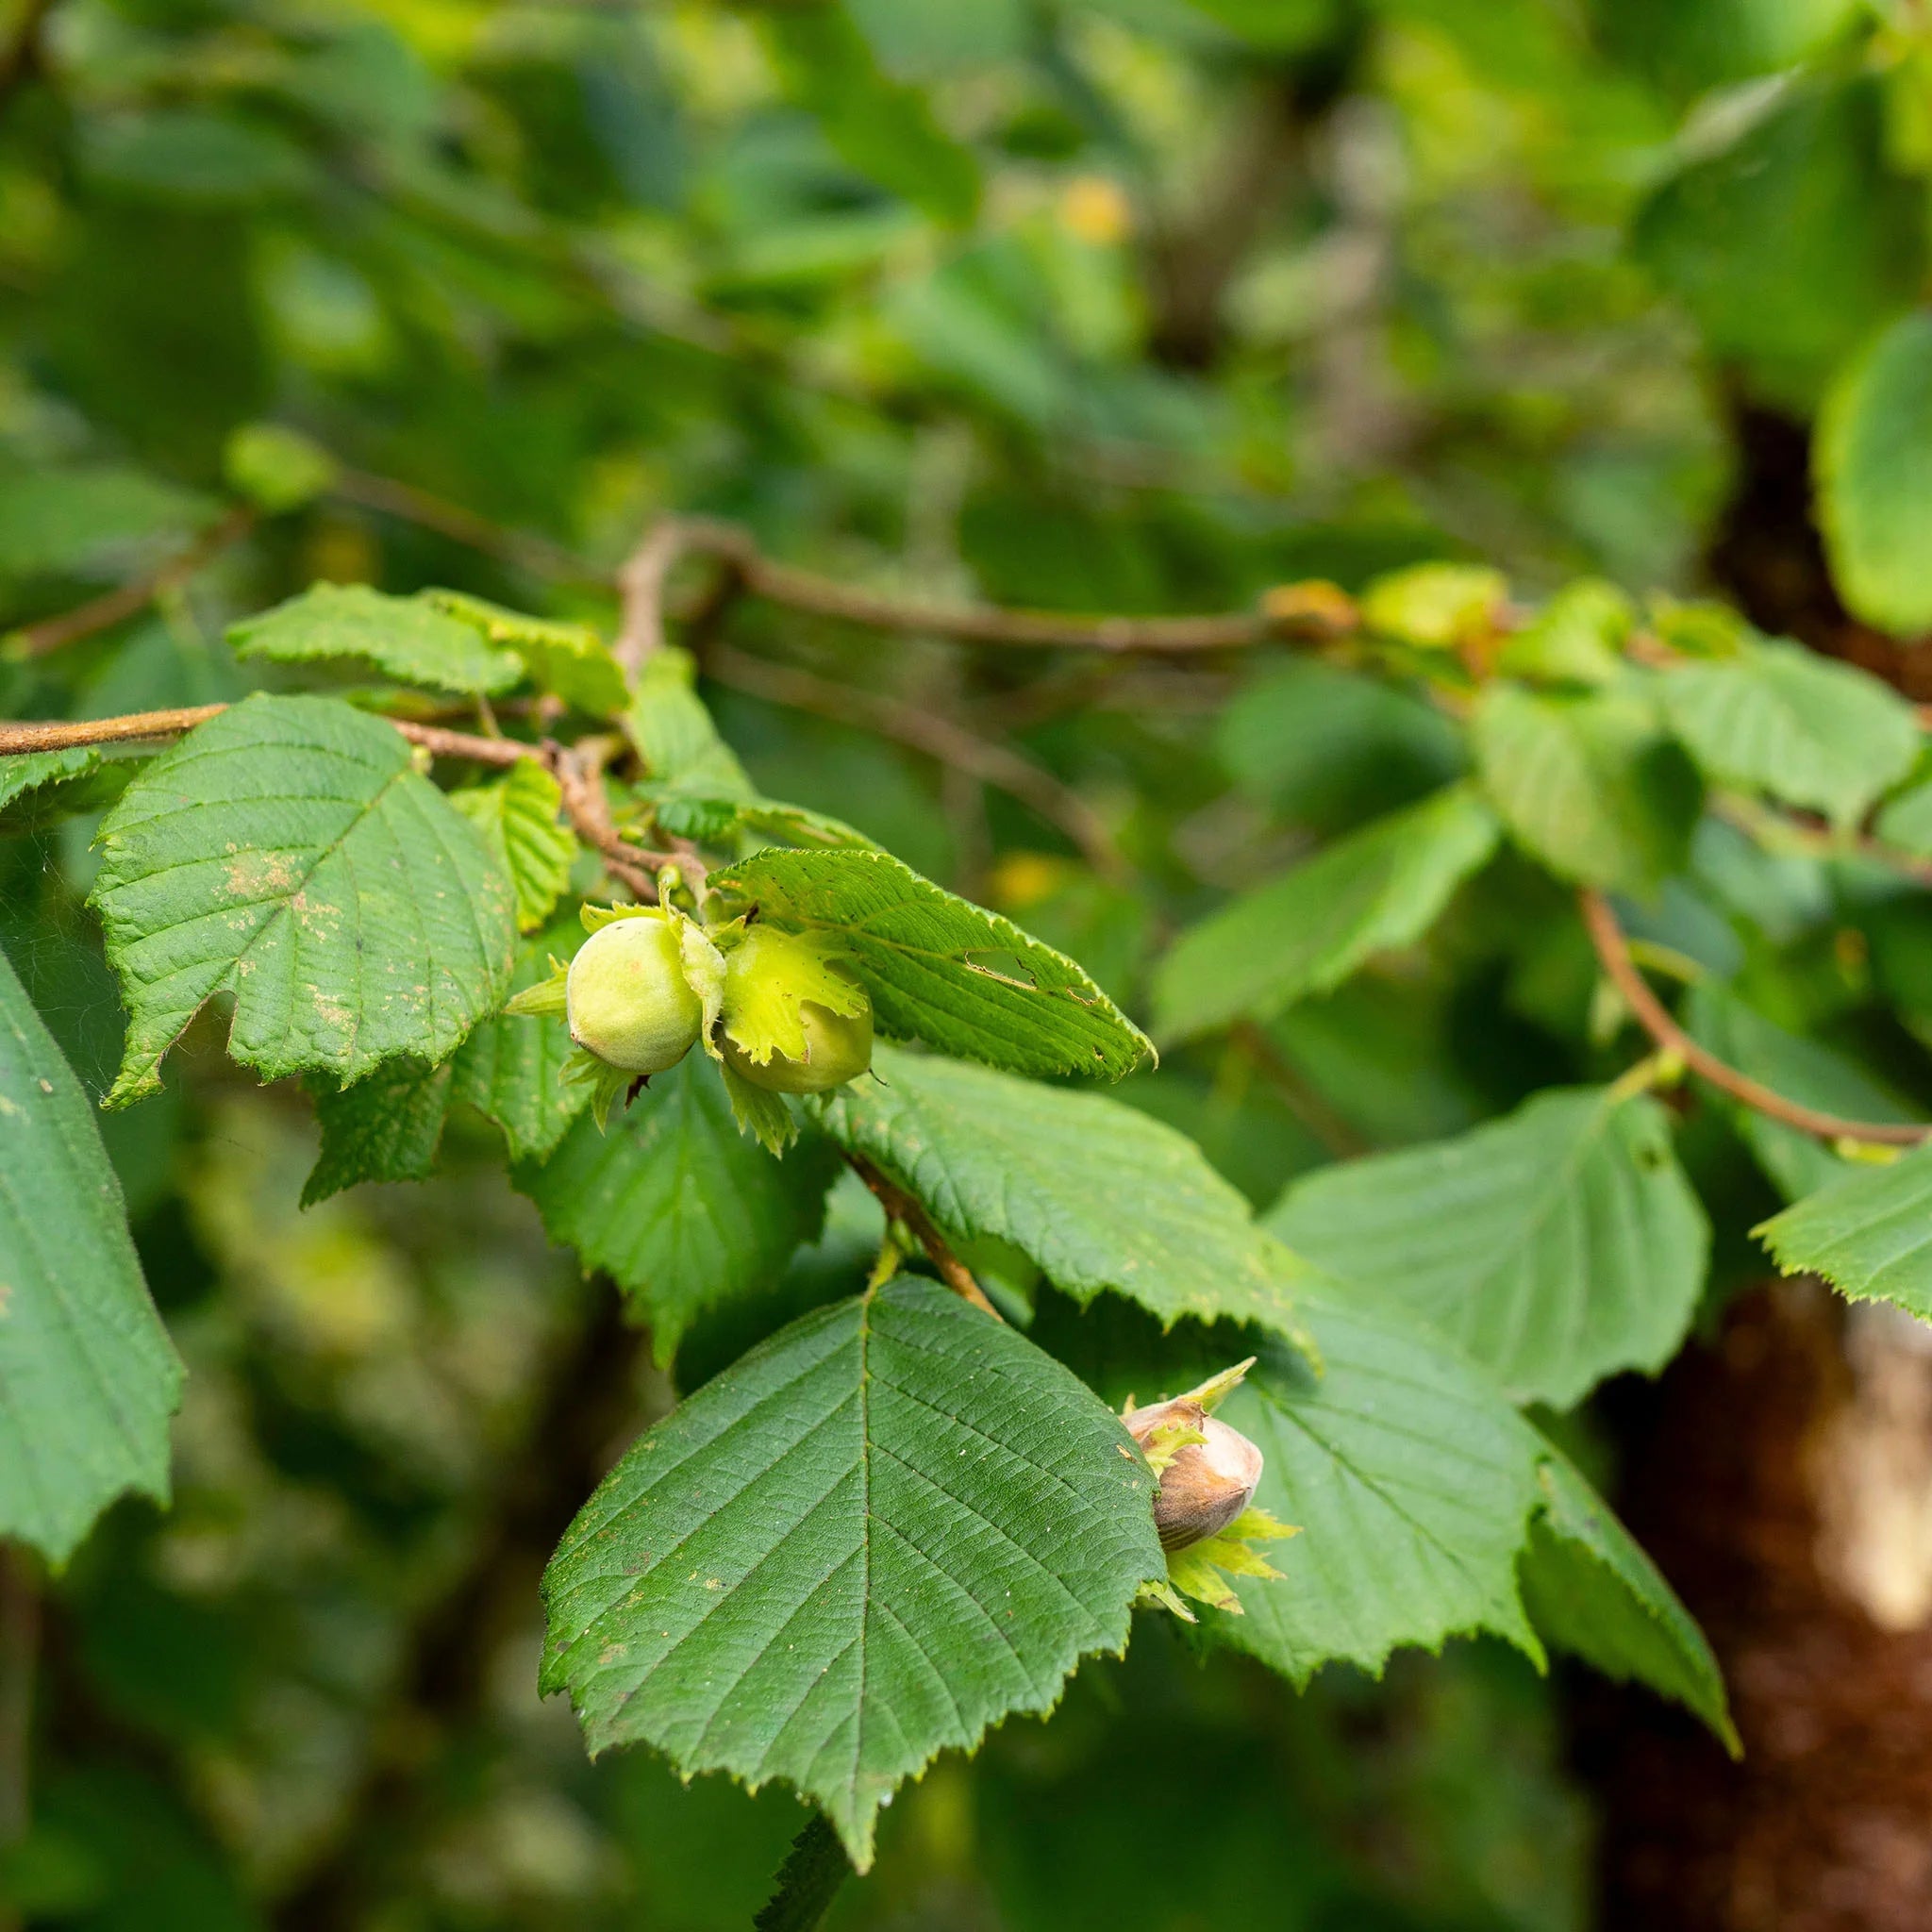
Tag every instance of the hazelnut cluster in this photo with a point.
(789, 1020)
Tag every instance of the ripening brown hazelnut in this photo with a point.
(1208, 1483)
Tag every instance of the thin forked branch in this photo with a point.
(1613, 952)
(937, 736)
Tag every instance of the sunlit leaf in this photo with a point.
(1556, 1246)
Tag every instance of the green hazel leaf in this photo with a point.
(676, 1205)
(510, 1069)
(40, 786)
(941, 969)
(1103, 1198)
(1576, 637)
(883, 1530)
(1873, 469)
(1791, 242)
(389, 1125)
(1869, 1233)
(1410, 1478)
(672, 733)
(404, 638)
(518, 818)
(1435, 604)
(814, 1871)
(1802, 1070)
(712, 820)
(1407, 1474)
(1782, 721)
(569, 659)
(1556, 1246)
(1589, 786)
(1592, 1591)
(23, 772)
(88, 1376)
(288, 852)
(1307, 931)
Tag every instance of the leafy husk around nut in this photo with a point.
(1203, 1509)
(794, 1021)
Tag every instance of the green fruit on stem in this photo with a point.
(794, 1021)
(628, 999)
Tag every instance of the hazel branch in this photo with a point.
(392, 497)
(936, 737)
(902, 1207)
(1280, 617)
(105, 611)
(582, 787)
(1613, 952)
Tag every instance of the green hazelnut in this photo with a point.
(780, 1027)
(628, 999)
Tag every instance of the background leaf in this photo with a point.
(1781, 721)
(941, 969)
(1591, 1592)
(1102, 1197)
(1792, 239)
(1873, 464)
(1556, 1246)
(884, 130)
(674, 1204)
(1308, 930)
(1803, 1070)
(88, 1376)
(287, 852)
(889, 1526)
(94, 516)
(1587, 785)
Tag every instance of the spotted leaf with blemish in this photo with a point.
(288, 854)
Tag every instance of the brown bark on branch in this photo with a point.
(644, 577)
(902, 1207)
(937, 736)
(1613, 952)
(105, 611)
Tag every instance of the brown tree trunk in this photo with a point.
(1765, 1475)
(1782, 1477)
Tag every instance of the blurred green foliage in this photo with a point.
(1089, 305)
